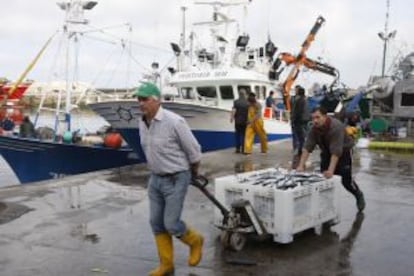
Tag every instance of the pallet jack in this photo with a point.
(238, 222)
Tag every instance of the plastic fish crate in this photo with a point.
(283, 212)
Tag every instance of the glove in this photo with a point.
(351, 131)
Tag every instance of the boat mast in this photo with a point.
(385, 36)
(180, 58)
(221, 21)
(74, 17)
(183, 35)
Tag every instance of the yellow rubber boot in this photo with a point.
(165, 253)
(195, 241)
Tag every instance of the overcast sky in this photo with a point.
(348, 40)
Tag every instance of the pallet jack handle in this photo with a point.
(201, 182)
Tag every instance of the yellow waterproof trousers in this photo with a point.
(255, 128)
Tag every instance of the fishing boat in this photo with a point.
(58, 151)
(10, 94)
(206, 81)
(392, 108)
(211, 69)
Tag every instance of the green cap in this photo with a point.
(147, 89)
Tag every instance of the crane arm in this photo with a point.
(299, 60)
(29, 67)
(321, 67)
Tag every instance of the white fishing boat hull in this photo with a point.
(210, 125)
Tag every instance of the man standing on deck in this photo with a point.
(335, 145)
(270, 103)
(239, 116)
(173, 157)
(27, 129)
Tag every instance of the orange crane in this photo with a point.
(300, 60)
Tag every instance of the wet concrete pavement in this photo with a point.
(97, 224)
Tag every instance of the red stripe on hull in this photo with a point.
(17, 94)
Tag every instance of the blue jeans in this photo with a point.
(166, 197)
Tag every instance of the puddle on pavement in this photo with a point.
(11, 211)
(387, 164)
(131, 178)
(260, 256)
(95, 194)
(82, 232)
(243, 166)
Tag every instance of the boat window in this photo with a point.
(264, 90)
(207, 91)
(257, 92)
(226, 92)
(407, 99)
(245, 87)
(187, 93)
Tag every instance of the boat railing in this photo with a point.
(200, 100)
(209, 101)
(281, 115)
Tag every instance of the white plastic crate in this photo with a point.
(282, 212)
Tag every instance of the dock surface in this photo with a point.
(97, 224)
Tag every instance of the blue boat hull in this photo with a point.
(209, 140)
(208, 124)
(34, 160)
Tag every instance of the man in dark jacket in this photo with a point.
(299, 120)
(27, 128)
(239, 116)
(335, 145)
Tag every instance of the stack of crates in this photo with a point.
(284, 205)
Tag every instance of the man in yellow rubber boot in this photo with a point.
(173, 157)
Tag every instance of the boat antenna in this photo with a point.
(183, 37)
(74, 16)
(183, 34)
(244, 18)
(385, 37)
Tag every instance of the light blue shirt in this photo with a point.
(168, 143)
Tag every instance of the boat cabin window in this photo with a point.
(260, 91)
(257, 92)
(264, 92)
(187, 93)
(207, 91)
(245, 87)
(226, 92)
(407, 99)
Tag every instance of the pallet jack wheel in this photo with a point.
(237, 241)
(225, 239)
